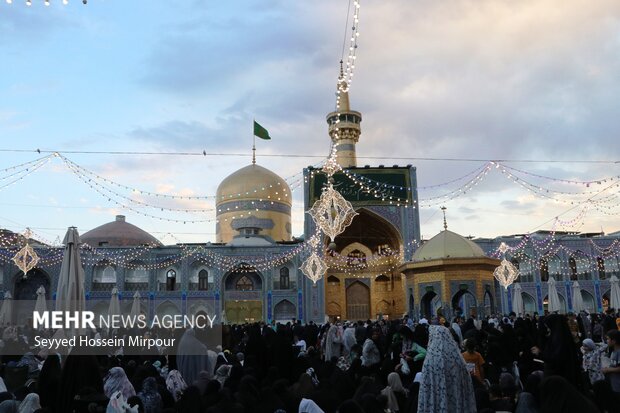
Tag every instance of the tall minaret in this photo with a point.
(345, 133)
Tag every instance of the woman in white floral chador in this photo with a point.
(446, 385)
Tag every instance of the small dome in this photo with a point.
(254, 182)
(447, 244)
(118, 233)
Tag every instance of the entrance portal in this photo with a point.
(358, 301)
(429, 304)
(243, 311)
(463, 303)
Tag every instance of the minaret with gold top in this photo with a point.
(344, 125)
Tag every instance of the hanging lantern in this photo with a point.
(314, 267)
(26, 258)
(506, 273)
(332, 213)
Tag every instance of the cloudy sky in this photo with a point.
(473, 79)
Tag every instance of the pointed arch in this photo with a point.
(284, 311)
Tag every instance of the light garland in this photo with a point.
(46, 2)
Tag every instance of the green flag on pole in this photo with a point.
(261, 132)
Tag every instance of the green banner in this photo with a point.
(375, 186)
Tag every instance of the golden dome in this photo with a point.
(447, 244)
(254, 183)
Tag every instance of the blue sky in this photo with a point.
(486, 79)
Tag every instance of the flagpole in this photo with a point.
(254, 148)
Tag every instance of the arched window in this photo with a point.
(600, 266)
(356, 258)
(611, 267)
(171, 279)
(333, 282)
(109, 274)
(104, 277)
(203, 280)
(284, 278)
(525, 269)
(137, 278)
(554, 267)
(572, 264)
(582, 263)
(544, 270)
(244, 284)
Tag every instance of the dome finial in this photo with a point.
(445, 223)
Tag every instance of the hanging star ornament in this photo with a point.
(314, 267)
(332, 213)
(506, 273)
(26, 259)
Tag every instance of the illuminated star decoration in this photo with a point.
(314, 267)
(506, 273)
(332, 213)
(26, 259)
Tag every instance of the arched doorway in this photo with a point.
(605, 301)
(358, 301)
(429, 304)
(284, 311)
(25, 293)
(333, 311)
(489, 304)
(463, 303)
(383, 309)
(588, 301)
(167, 308)
(562, 303)
(243, 296)
(529, 304)
(26, 288)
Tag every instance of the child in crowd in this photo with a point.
(592, 359)
(473, 360)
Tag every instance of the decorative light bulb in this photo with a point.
(65, 2)
(28, 2)
(9, 1)
(47, 2)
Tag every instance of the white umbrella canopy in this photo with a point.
(614, 294)
(70, 293)
(554, 300)
(6, 313)
(115, 304)
(135, 306)
(41, 304)
(577, 298)
(517, 300)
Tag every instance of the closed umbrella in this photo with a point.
(135, 306)
(517, 299)
(70, 293)
(6, 313)
(577, 298)
(41, 304)
(554, 300)
(115, 304)
(614, 295)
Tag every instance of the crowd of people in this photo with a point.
(529, 364)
